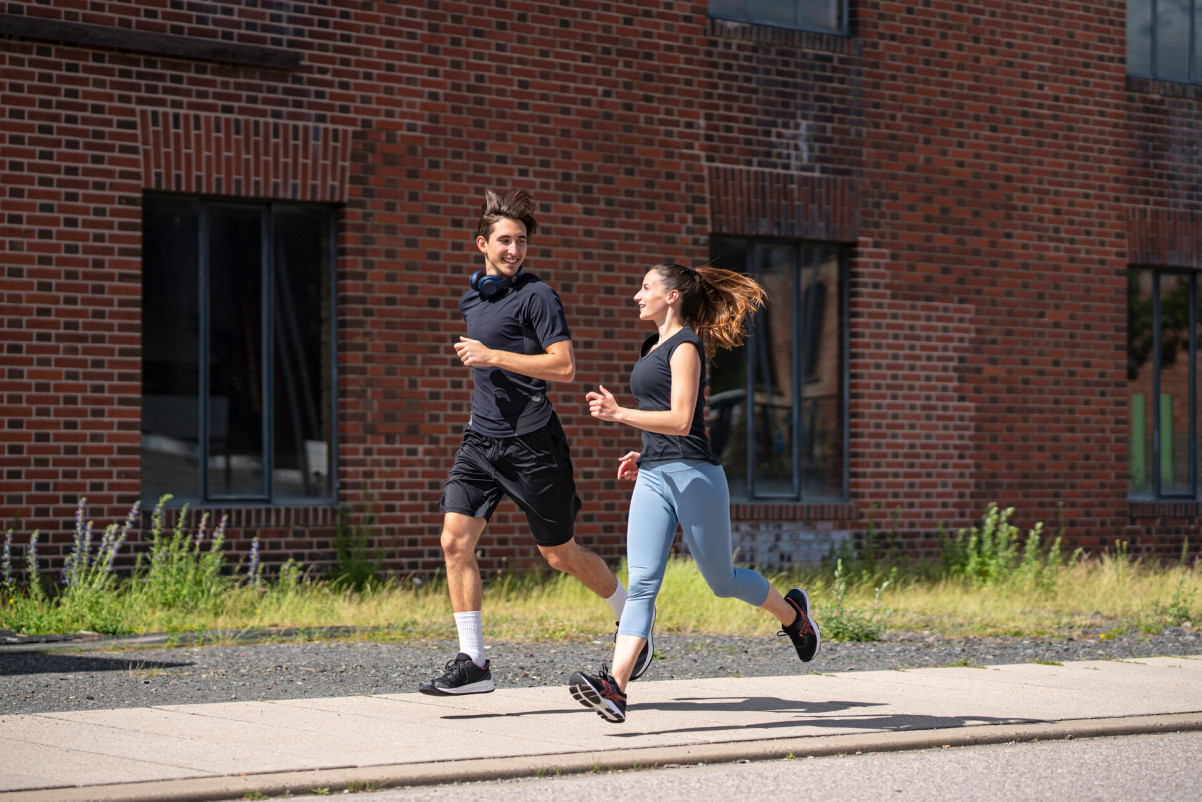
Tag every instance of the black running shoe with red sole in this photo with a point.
(600, 693)
(803, 632)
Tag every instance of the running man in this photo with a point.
(517, 341)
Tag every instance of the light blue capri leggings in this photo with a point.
(694, 494)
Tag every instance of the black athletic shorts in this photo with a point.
(534, 469)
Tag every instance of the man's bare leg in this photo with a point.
(469, 671)
(594, 574)
(460, 534)
(585, 565)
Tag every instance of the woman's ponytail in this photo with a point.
(718, 304)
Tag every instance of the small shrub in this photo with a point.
(181, 572)
(990, 554)
(842, 622)
(359, 565)
(85, 573)
(8, 583)
(182, 576)
(359, 786)
(87, 598)
(1179, 609)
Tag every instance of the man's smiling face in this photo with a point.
(505, 249)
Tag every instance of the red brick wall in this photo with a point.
(983, 159)
(418, 109)
(994, 329)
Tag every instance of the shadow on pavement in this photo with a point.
(40, 663)
(762, 704)
(795, 713)
(892, 723)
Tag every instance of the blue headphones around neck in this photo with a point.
(492, 286)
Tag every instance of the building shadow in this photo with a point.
(54, 663)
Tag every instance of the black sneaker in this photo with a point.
(647, 654)
(804, 629)
(600, 693)
(463, 676)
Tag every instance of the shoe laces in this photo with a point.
(609, 686)
(458, 667)
(802, 625)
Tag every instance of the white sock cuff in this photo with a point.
(471, 636)
(617, 601)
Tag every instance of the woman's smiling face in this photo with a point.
(653, 298)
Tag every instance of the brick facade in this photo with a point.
(993, 166)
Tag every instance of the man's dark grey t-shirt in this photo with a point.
(524, 319)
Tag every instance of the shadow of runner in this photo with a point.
(41, 663)
(896, 722)
(794, 714)
(741, 704)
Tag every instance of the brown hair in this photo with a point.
(512, 204)
(716, 303)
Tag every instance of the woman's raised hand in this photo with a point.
(602, 405)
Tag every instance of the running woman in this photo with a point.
(517, 341)
(678, 479)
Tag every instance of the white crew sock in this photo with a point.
(618, 601)
(471, 636)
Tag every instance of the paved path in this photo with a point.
(221, 751)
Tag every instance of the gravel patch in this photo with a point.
(46, 677)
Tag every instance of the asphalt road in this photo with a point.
(1143, 767)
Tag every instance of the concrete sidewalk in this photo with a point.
(221, 751)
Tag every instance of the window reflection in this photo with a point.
(812, 15)
(1174, 401)
(789, 374)
(235, 320)
(171, 349)
(238, 351)
(1162, 39)
(1162, 382)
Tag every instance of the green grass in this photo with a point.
(184, 584)
(1087, 598)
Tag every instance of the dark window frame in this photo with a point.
(750, 18)
(1150, 9)
(1156, 358)
(802, 371)
(267, 210)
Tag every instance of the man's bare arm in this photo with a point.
(557, 364)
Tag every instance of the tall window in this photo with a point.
(828, 16)
(1163, 39)
(1162, 377)
(237, 351)
(778, 404)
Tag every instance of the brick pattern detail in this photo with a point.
(251, 517)
(1154, 86)
(774, 203)
(1164, 237)
(219, 155)
(794, 512)
(305, 534)
(784, 545)
(784, 37)
(983, 158)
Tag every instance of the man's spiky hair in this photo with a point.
(512, 204)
